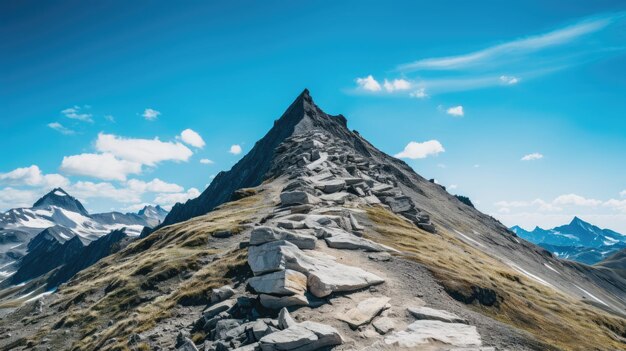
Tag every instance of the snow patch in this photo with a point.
(593, 297)
(530, 275)
(468, 238)
(551, 268)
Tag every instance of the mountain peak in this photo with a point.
(577, 221)
(60, 198)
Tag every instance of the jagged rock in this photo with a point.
(364, 311)
(290, 224)
(278, 302)
(214, 310)
(355, 224)
(423, 332)
(262, 235)
(208, 324)
(433, 314)
(284, 319)
(301, 208)
(384, 325)
(381, 188)
(399, 204)
(250, 347)
(306, 336)
(187, 345)
(259, 329)
(429, 227)
(221, 294)
(287, 282)
(372, 200)
(339, 197)
(318, 164)
(297, 198)
(223, 326)
(331, 186)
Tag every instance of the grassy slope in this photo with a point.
(131, 291)
(554, 318)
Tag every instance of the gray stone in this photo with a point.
(331, 186)
(223, 326)
(383, 325)
(278, 302)
(222, 294)
(339, 197)
(364, 311)
(284, 319)
(349, 241)
(181, 336)
(306, 336)
(214, 310)
(290, 224)
(355, 224)
(259, 329)
(424, 332)
(262, 235)
(297, 198)
(187, 345)
(287, 282)
(380, 257)
(250, 347)
(429, 227)
(433, 314)
(399, 204)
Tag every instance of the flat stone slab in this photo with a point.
(214, 310)
(289, 198)
(287, 282)
(423, 332)
(349, 241)
(324, 274)
(428, 313)
(264, 234)
(384, 325)
(306, 336)
(364, 311)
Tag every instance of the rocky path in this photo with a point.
(307, 257)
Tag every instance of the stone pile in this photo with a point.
(328, 171)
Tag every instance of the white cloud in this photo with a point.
(577, 200)
(60, 128)
(142, 151)
(168, 200)
(368, 83)
(532, 157)
(89, 190)
(512, 49)
(419, 93)
(32, 176)
(456, 111)
(622, 193)
(619, 205)
(11, 198)
(396, 85)
(76, 113)
(135, 207)
(452, 186)
(206, 161)
(235, 149)
(415, 150)
(156, 185)
(150, 114)
(509, 80)
(103, 166)
(192, 138)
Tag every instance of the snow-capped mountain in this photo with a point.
(578, 240)
(59, 217)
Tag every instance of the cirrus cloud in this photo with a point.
(532, 157)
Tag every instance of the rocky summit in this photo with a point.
(316, 240)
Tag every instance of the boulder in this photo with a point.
(429, 227)
(262, 235)
(355, 224)
(372, 200)
(287, 282)
(423, 332)
(339, 197)
(399, 204)
(259, 329)
(284, 319)
(289, 198)
(437, 315)
(278, 302)
(221, 294)
(214, 310)
(324, 274)
(290, 224)
(223, 326)
(331, 186)
(383, 325)
(364, 311)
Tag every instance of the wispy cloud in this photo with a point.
(77, 113)
(514, 48)
(61, 128)
(532, 157)
(150, 114)
(507, 63)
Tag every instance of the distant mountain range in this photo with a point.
(57, 230)
(579, 240)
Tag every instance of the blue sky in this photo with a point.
(519, 106)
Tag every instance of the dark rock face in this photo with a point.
(59, 198)
(464, 199)
(303, 115)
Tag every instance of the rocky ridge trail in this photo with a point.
(293, 257)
